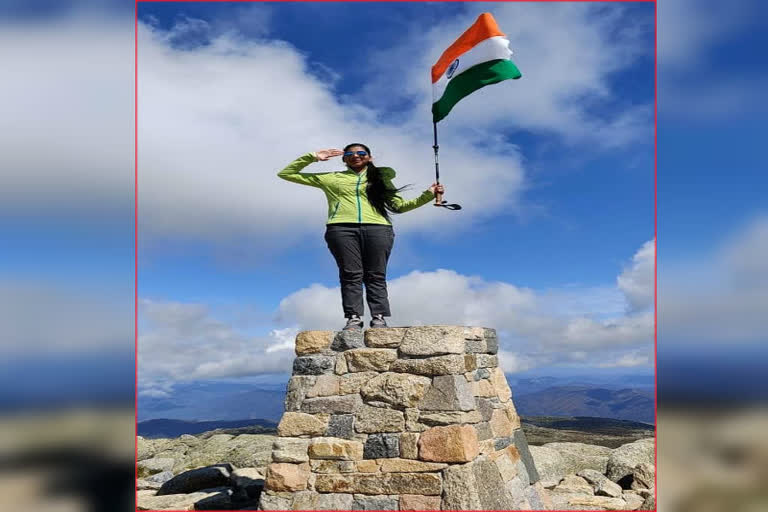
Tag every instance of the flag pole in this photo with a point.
(438, 196)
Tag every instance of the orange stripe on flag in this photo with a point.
(482, 29)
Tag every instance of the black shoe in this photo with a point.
(354, 322)
(378, 322)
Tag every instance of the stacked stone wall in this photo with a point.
(417, 418)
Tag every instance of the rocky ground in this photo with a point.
(221, 470)
(540, 430)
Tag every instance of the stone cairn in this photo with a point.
(416, 418)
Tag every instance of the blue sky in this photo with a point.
(554, 172)
(554, 246)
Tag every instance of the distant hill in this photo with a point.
(624, 404)
(174, 428)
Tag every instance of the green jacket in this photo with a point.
(345, 191)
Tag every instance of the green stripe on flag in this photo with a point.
(476, 77)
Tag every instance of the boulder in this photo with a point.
(154, 465)
(572, 484)
(625, 458)
(644, 476)
(197, 479)
(579, 456)
(174, 501)
(601, 485)
(250, 480)
(243, 451)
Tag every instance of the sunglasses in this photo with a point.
(358, 153)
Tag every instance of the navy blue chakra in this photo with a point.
(452, 69)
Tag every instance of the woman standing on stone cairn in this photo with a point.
(358, 232)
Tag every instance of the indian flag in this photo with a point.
(478, 58)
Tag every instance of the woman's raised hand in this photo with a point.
(325, 154)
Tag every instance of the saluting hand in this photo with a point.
(437, 188)
(325, 154)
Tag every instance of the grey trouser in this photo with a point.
(361, 252)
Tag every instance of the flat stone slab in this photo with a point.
(397, 389)
(448, 393)
(290, 449)
(312, 342)
(440, 365)
(428, 484)
(313, 365)
(373, 420)
(454, 443)
(380, 446)
(332, 404)
(347, 340)
(384, 338)
(294, 424)
(370, 359)
(433, 341)
(335, 449)
(383, 502)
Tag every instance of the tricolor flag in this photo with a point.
(478, 58)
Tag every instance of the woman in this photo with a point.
(359, 232)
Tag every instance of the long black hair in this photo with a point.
(379, 194)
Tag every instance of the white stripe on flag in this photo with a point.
(493, 48)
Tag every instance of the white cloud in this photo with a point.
(216, 124)
(43, 319)
(187, 341)
(537, 327)
(631, 360)
(636, 282)
(567, 53)
(719, 297)
(67, 102)
(691, 80)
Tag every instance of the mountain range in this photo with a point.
(624, 397)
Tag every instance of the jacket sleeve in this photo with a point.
(400, 204)
(292, 172)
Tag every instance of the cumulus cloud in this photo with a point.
(43, 319)
(717, 297)
(186, 341)
(535, 327)
(182, 341)
(636, 282)
(67, 122)
(218, 121)
(690, 32)
(567, 53)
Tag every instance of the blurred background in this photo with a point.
(67, 272)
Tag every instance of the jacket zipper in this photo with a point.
(335, 210)
(359, 209)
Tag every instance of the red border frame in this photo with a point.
(136, 206)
